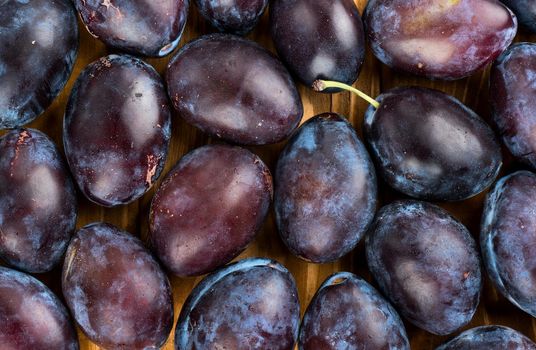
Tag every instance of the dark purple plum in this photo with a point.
(348, 313)
(319, 39)
(325, 194)
(489, 338)
(512, 98)
(141, 27)
(426, 263)
(429, 145)
(508, 238)
(209, 208)
(232, 16)
(116, 290)
(444, 39)
(234, 89)
(117, 129)
(37, 201)
(251, 304)
(31, 316)
(525, 11)
(39, 43)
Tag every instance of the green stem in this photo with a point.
(321, 85)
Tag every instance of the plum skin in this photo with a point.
(38, 52)
(234, 89)
(525, 12)
(319, 39)
(428, 145)
(233, 308)
(116, 290)
(512, 100)
(38, 206)
(119, 158)
(32, 317)
(234, 188)
(347, 312)
(507, 238)
(236, 16)
(325, 183)
(434, 282)
(489, 338)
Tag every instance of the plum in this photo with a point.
(525, 11)
(31, 316)
(39, 44)
(209, 208)
(489, 338)
(508, 238)
(141, 27)
(232, 88)
(115, 289)
(512, 91)
(348, 313)
(117, 129)
(251, 304)
(37, 201)
(319, 39)
(444, 39)
(325, 194)
(232, 16)
(426, 263)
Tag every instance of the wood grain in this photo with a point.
(375, 77)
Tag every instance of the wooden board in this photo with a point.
(375, 77)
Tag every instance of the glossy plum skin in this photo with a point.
(115, 289)
(234, 89)
(142, 27)
(444, 39)
(348, 313)
(426, 263)
(38, 51)
(209, 208)
(117, 128)
(37, 201)
(31, 316)
(508, 238)
(525, 11)
(489, 338)
(251, 304)
(512, 90)
(428, 145)
(326, 191)
(235, 16)
(319, 39)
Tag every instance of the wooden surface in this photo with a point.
(375, 77)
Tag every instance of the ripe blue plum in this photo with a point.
(37, 201)
(251, 304)
(232, 88)
(31, 316)
(37, 53)
(444, 39)
(116, 290)
(512, 91)
(234, 16)
(117, 129)
(319, 39)
(209, 208)
(489, 338)
(430, 146)
(325, 194)
(508, 238)
(426, 263)
(142, 27)
(525, 11)
(348, 313)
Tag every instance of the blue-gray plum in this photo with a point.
(325, 193)
(232, 16)
(489, 338)
(426, 263)
(525, 11)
